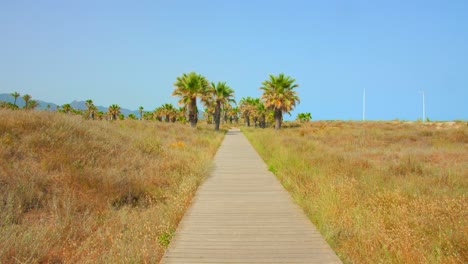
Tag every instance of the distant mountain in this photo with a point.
(81, 105)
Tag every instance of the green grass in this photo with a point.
(83, 191)
(379, 192)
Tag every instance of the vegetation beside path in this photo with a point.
(84, 191)
(379, 192)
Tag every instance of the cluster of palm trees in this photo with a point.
(216, 97)
(253, 109)
(278, 97)
(304, 117)
(228, 113)
(28, 102)
(93, 113)
(166, 112)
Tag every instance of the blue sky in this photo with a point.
(130, 52)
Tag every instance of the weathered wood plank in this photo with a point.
(242, 214)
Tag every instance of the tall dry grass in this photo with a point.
(380, 192)
(76, 191)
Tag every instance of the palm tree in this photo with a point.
(304, 117)
(279, 95)
(26, 99)
(261, 112)
(147, 115)
(114, 111)
(246, 106)
(77, 111)
(181, 114)
(132, 116)
(158, 113)
(227, 110)
(209, 112)
(32, 104)
(66, 108)
(140, 109)
(15, 95)
(189, 87)
(234, 114)
(255, 113)
(91, 109)
(221, 94)
(168, 110)
(100, 115)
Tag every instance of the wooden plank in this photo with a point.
(242, 214)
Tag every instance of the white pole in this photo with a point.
(423, 106)
(364, 106)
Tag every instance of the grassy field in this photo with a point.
(76, 191)
(379, 192)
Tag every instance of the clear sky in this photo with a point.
(130, 52)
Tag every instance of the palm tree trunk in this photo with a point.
(192, 112)
(278, 117)
(167, 118)
(262, 121)
(247, 118)
(217, 115)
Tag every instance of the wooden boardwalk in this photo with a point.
(242, 214)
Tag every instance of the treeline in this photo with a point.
(219, 105)
(278, 97)
(28, 102)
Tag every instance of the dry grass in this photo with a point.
(380, 192)
(76, 191)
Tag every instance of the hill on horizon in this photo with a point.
(80, 105)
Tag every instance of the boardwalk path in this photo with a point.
(242, 214)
